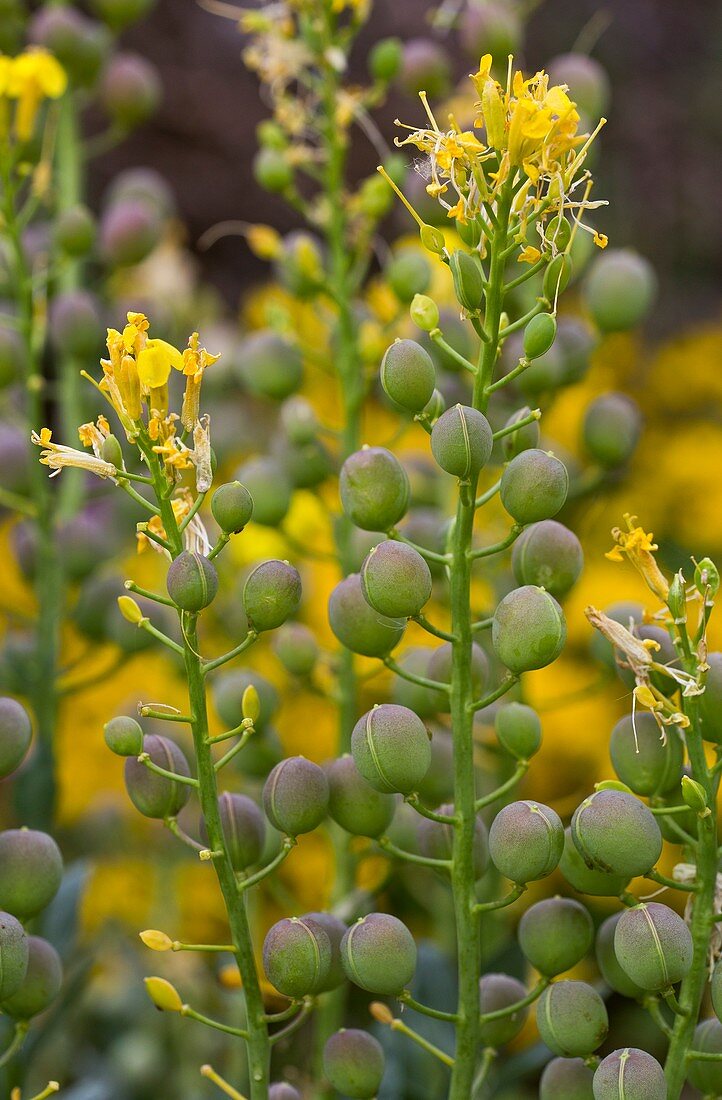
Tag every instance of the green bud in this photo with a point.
(629, 1074)
(379, 954)
(706, 578)
(297, 956)
(112, 451)
(424, 312)
(432, 239)
(468, 279)
(653, 946)
(677, 598)
(539, 335)
(572, 1019)
(470, 232)
(694, 796)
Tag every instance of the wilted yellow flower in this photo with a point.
(638, 547)
(57, 457)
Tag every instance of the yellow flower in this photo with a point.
(32, 76)
(529, 255)
(638, 547)
(58, 457)
(154, 363)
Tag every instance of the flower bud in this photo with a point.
(526, 841)
(706, 1075)
(355, 623)
(111, 451)
(534, 486)
(385, 59)
(391, 748)
(297, 956)
(396, 580)
(518, 730)
(425, 67)
(408, 375)
(461, 441)
(539, 335)
(271, 594)
(273, 170)
(16, 733)
(706, 578)
(41, 984)
(614, 975)
(497, 991)
(555, 934)
(374, 489)
(528, 630)
(353, 1062)
(123, 736)
(620, 289)
(270, 366)
(379, 954)
(408, 273)
(295, 796)
(585, 879)
(572, 1019)
(549, 555)
(163, 995)
(74, 231)
(31, 868)
(468, 279)
(131, 90)
(616, 833)
(567, 1077)
(436, 840)
(192, 581)
(523, 438)
(653, 946)
(14, 954)
(229, 696)
(611, 429)
(354, 804)
(424, 312)
(154, 795)
(155, 940)
(640, 758)
(268, 484)
(694, 795)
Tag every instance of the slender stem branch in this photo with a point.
(191, 1013)
(411, 857)
(493, 796)
(250, 638)
(421, 681)
(426, 1010)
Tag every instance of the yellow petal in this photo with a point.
(155, 361)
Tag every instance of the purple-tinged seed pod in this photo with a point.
(461, 441)
(374, 489)
(192, 581)
(244, 829)
(130, 228)
(422, 700)
(271, 594)
(518, 730)
(440, 670)
(569, 1078)
(379, 954)
(145, 185)
(296, 647)
(528, 630)
(653, 946)
(497, 991)
(295, 796)
(572, 1019)
(232, 507)
(619, 289)
(131, 89)
(426, 527)
(270, 366)
(641, 759)
(14, 954)
(354, 804)
(555, 934)
(267, 481)
(436, 839)
(75, 322)
(408, 375)
(526, 841)
(396, 580)
(355, 623)
(549, 555)
(41, 983)
(616, 978)
(585, 879)
(31, 868)
(611, 429)
(706, 1075)
(154, 795)
(534, 486)
(716, 989)
(16, 733)
(489, 26)
(353, 1061)
(335, 929)
(123, 736)
(80, 44)
(282, 1091)
(710, 702)
(616, 833)
(297, 956)
(392, 748)
(631, 1074)
(425, 67)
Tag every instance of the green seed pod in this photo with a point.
(119, 14)
(440, 670)
(297, 956)
(438, 784)
(14, 954)
(74, 231)
(619, 290)
(585, 879)
(534, 486)
(616, 833)
(192, 581)
(557, 274)
(385, 63)
(273, 170)
(706, 1076)
(130, 90)
(489, 26)
(528, 630)
(427, 528)
(392, 748)
(153, 795)
(31, 868)
(436, 840)
(408, 375)
(111, 451)
(298, 420)
(549, 555)
(630, 1074)
(353, 1062)
(641, 760)
(710, 702)
(396, 580)
(123, 736)
(526, 841)
(75, 322)
(425, 67)
(539, 335)
(354, 804)
(300, 267)
(576, 344)
(572, 1019)
(267, 482)
(129, 231)
(270, 366)
(355, 623)
(569, 1078)
(461, 441)
(558, 232)
(468, 279)
(16, 733)
(422, 700)
(424, 312)
(262, 753)
(611, 429)
(706, 578)
(232, 507)
(297, 649)
(555, 934)
(228, 691)
(335, 929)
(295, 796)
(497, 991)
(41, 984)
(434, 409)
(653, 946)
(523, 438)
(244, 829)
(374, 489)
(80, 44)
(589, 87)
(271, 594)
(379, 954)
(616, 978)
(408, 273)
(518, 729)
(281, 1091)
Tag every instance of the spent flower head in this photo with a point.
(637, 546)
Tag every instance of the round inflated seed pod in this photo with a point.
(297, 956)
(526, 841)
(355, 623)
(282, 1091)
(354, 804)
(496, 992)
(611, 429)
(518, 729)
(269, 485)
(436, 839)
(396, 580)
(629, 1074)
(123, 736)
(374, 489)
(192, 581)
(295, 796)
(270, 366)
(154, 795)
(616, 978)
(716, 989)
(391, 748)
(422, 700)
(16, 733)
(14, 954)
(271, 594)
(41, 983)
(567, 1078)
(710, 701)
(534, 486)
(653, 946)
(706, 1075)
(244, 829)
(539, 335)
(619, 290)
(31, 868)
(585, 879)
(616, 833)
(296, 648)
(555, 934)
(572, 1019)
(232, 507)
(528, 629)
(335, 929)
(461, 441)
(408, 375)
(379, 954)
(549, 555)
(228, 691)
(641, 759)
(353, 1062)
(439, 669)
